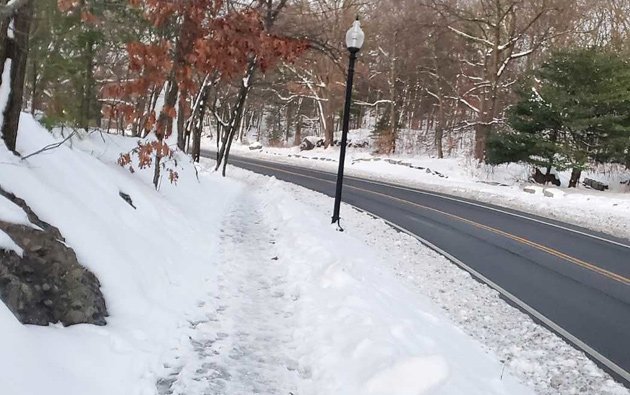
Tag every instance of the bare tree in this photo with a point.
(15, 21)
(498, 31)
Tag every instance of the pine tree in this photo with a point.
(572, 113)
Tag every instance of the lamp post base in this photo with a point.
(338, 222)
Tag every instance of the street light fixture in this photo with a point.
(354, 42)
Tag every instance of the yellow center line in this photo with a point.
(540, 247)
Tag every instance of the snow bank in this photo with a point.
(376, 331)
(154, 262)
(359, 331)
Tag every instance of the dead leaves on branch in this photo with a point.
(144, 155)
(209, 39)
(208, 42)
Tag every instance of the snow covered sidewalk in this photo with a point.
(243, 345)
(302, 309)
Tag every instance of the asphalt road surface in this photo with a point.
(574, 280)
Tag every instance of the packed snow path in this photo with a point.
(244, 346)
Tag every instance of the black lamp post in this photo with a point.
(354, 42)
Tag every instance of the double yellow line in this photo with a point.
(548, 250)
(540, 247)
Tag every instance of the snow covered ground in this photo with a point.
(529, 352)
(152, 262)
(238, 286)
(607, 212)
(304, 309)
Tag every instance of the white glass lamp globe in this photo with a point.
(355, 36)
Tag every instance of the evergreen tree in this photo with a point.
(572, 113)
(72, 52)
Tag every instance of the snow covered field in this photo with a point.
(240, 285)
(607, 212)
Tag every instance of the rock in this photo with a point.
(531, 190)
(255, 145)
(306, 146)
(541, 178)
(126, 198)
(594, 184)
(310, 142)
(47, 284)
(553, 193)
(36, 247)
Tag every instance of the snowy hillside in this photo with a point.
(153, 263)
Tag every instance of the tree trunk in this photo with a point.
(235, 118)
(289, 121)
(297, 140)
(16, 49)
(393, 96)
(327, 117)
(165, 124)
(34, 86)
(393, 129)
(553, 138)
(139, 123)
(329, 131)
(576, 173)
(439, 134)
(196, 144)
(87, 102)
(259, 122)
(156, 171)
(181, 120)
(482, 131)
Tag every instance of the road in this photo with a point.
(576, 281)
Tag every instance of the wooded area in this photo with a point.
(435, 76)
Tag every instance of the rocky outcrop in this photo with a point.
(46, 284)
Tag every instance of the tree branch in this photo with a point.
(51, 146)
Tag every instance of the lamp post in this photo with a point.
(354, 42)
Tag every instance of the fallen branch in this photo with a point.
(50, 146)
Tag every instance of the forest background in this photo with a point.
(541, 81)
